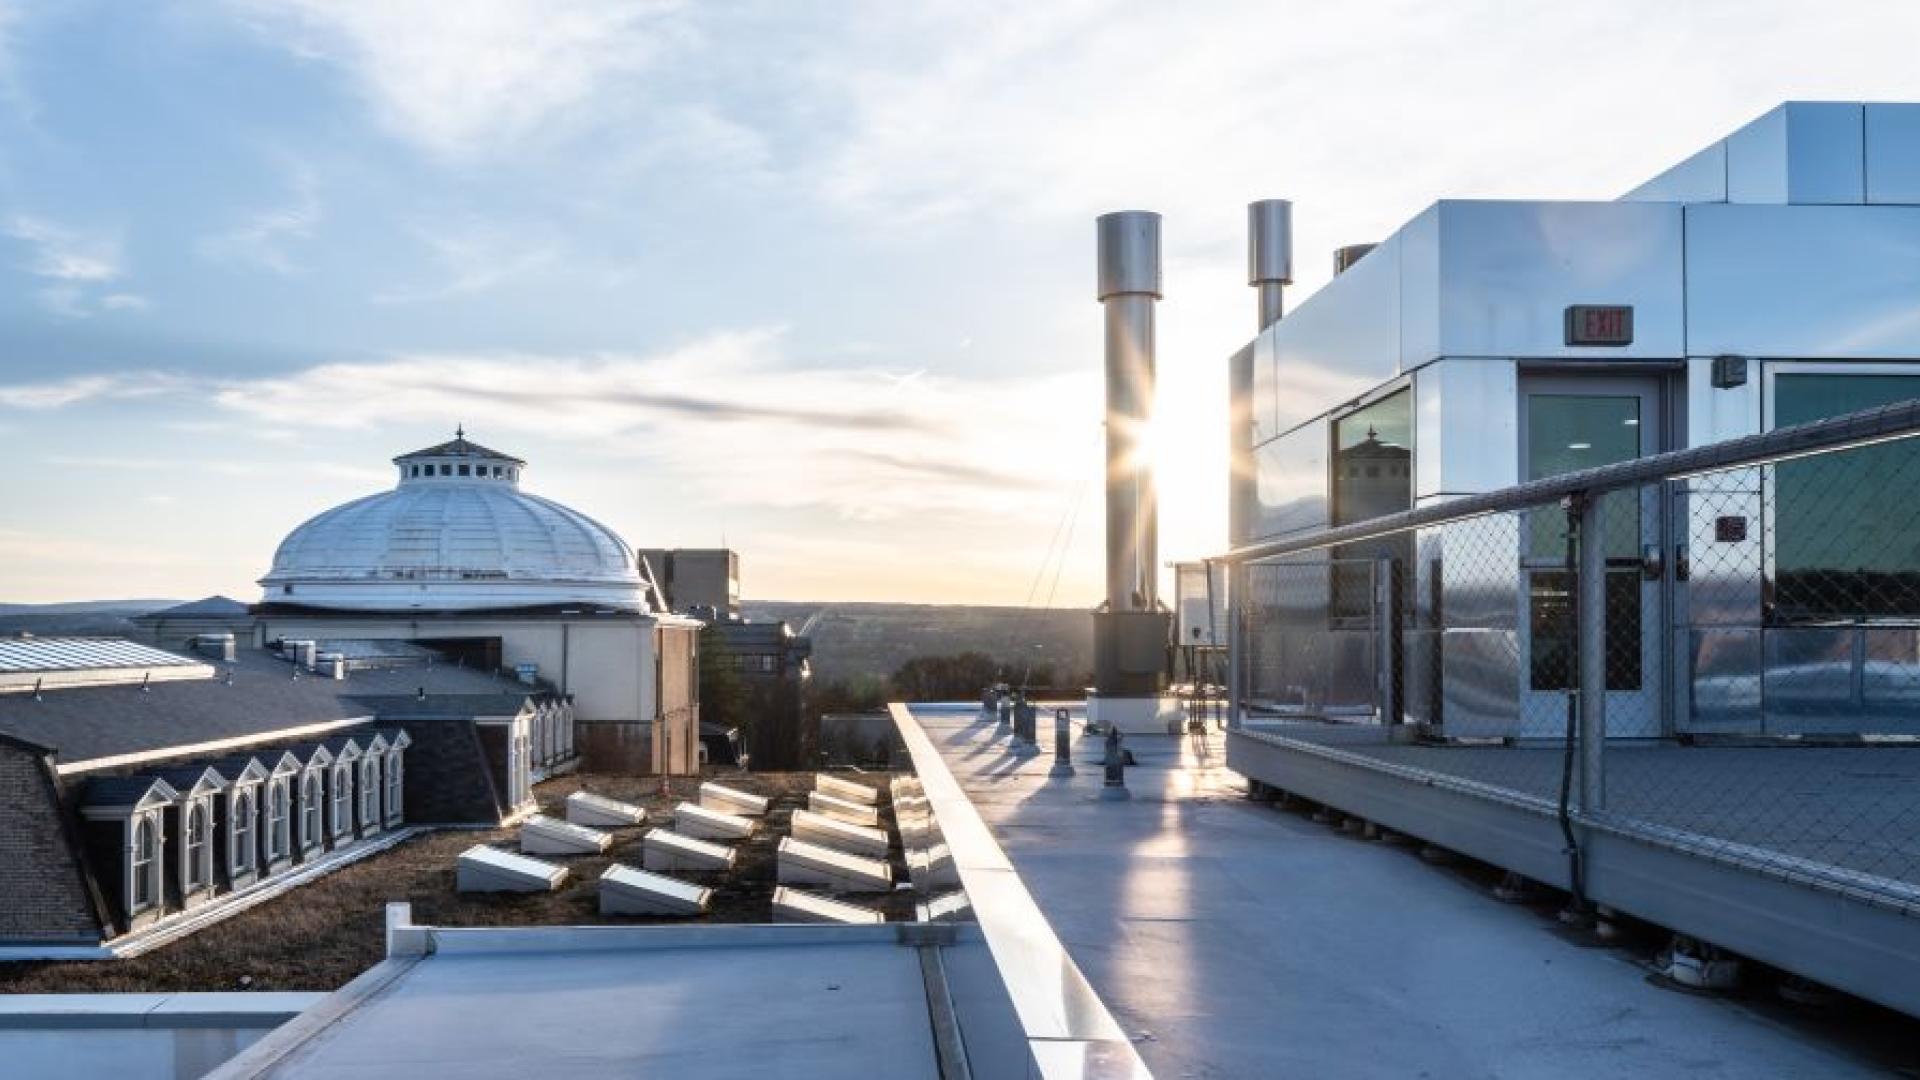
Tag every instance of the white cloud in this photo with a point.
(478, 74)
(64, 254)
(125, 302)
(60, 393)
(265, 239)
(473, 258)
(729, 416)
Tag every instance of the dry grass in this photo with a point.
(319, 936)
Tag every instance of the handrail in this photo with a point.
(1885, 423)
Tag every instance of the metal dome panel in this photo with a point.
(448, 541)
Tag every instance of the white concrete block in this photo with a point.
(600, 812)
(627, 891)
(932, 869)
(911, 806)
(542, 835)
(663, 850)
(904, 786)
(484, 869)
(834, 833)
(829, 784)
(801, 863)
(850, 812)
(947, 907)
(732, 800)
(690, 819)
(797, 905)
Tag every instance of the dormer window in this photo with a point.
(342, 805)
(278, 823)
(243, 814)
(196, 846)
(145, 863)
(310, 811)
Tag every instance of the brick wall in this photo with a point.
(42, 897)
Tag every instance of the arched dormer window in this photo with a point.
(279, 823)
(310, 809)
(342, 805)
(196, 846)
(143, 864)
(241, 855)
(369, 792)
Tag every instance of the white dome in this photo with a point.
(456, 533)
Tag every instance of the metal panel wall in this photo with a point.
(1465, 417)
(1893, 153)
(1290, 482)
(1812, 282)
(1341, 343)
(1509, 270)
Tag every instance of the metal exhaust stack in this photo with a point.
(1131, 630)
(1269, 270)
(1270, 254)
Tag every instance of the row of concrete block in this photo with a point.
(930, 865)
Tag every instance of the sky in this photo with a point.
(814, 281)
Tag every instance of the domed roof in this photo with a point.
(456, 533)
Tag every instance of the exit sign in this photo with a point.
(1600, 324)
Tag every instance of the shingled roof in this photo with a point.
(88, 723)
(460, 446)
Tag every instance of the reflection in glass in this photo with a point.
(1844, 541)
(1372, 477)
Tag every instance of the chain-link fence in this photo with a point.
(1717, 650)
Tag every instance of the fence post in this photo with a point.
(1590, 579)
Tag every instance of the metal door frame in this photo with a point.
(1653, 388)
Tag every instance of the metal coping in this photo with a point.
(1068, 1028)
(1886, 423)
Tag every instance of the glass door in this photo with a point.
(1569, 423)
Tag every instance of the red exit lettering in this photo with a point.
(1593, 324)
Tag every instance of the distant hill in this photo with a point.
(875, 639)
(78, 618)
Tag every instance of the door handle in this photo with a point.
(1651, 563)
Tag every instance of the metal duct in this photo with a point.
(1270, 254)
(1344, 258)
(1129, 286)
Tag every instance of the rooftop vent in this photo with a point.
(1344, 258)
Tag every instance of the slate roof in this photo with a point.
(205, 607)
(83, 723)
(459, 447)
(122, 790)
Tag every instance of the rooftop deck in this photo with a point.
(1228, 939)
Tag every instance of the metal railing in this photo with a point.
(1715, 649)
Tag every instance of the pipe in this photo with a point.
(1270, 254)
(1129, 286)
(1344, 258)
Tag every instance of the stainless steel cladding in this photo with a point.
(1270, 254)
(1345, 257)
(1129, 285)
(1129, 253)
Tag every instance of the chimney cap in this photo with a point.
(1129, 253)
(1270, 241)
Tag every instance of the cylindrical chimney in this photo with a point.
(1270, 254)
(1129, 286)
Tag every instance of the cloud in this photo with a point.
(730, 416)
(78, 389)
(63, 254)
(477, 75)
(265, 238)
(473, 258)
